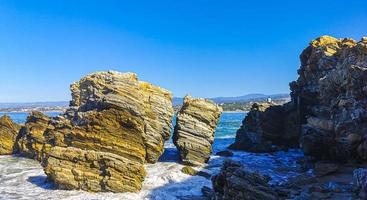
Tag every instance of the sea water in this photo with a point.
(22, 178)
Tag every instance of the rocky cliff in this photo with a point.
(331, 92)
(194, 130)
(328, 107)
(8, 134)
(115, 124)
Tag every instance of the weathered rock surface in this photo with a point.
(360, 181)
(34, 140)
(331, 92)
(194, 130)
(115, 124)
(8, 134)
(235, 182)
(90, 170)
(267, 124)
(327, 113)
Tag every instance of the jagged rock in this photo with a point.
(33, 139)
(360, 181)
(194, 130)
(115, 124)
(328, 105)
(235, 182)
(264, 126)
(8, 134)
(332, 98)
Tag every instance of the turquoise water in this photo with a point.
(21, 117)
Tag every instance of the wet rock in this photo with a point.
(115, 124)
(235, 182)
(224, 153)
(189, 171)
(8, 134)
(323, 168)
(264, 126)
(360, 181)
(194, 130)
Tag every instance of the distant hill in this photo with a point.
(245, 98)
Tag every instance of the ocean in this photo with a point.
(22, 178)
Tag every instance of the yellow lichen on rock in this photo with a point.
(115, 124)
(8, 134)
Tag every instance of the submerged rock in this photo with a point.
(115, 124)
(8, 134)
(235, 182)
(194, 130)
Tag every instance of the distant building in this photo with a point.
(269, 100)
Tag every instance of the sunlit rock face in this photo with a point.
(331, 92)
(115, 124)
(34, 137)
(8, 134)
(194, 130)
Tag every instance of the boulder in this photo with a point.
(115, 124)
(235, 182)
(8, 135)
(266, 125)
(194, 130)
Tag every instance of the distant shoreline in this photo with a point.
(240, 111)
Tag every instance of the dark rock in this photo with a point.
(235, 182)
(266, 125)
(323, 168)
(224, 153)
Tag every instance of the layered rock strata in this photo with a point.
(8, 135)
(115, 124)
(235, 182)
(194, 130)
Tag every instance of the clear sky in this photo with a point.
(204, 48)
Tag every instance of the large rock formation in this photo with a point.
(328, 106)
(114, 125)
(235, 182)
(8, 134)
(266, 125)
(331, 94)
(194, 130)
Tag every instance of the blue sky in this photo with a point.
(203, 48)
